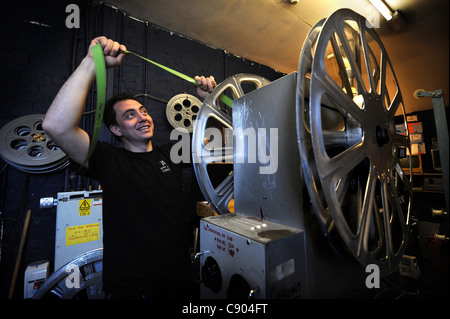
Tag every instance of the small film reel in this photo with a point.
(182, 110)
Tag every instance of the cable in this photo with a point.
(151, 97)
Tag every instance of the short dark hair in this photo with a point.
(109, 115)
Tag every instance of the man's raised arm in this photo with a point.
(62, 118)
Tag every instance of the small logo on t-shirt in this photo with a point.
(164, 167)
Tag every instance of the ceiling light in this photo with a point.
(381, 6)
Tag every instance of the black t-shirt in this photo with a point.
(144, 230)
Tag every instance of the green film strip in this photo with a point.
(100, 75)
(225, 99)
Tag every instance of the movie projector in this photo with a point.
(314, 152)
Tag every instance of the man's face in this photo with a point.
(134, 123)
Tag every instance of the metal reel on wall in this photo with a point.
(348, 98)
(182, 111)
(212, 141)
(25, 146)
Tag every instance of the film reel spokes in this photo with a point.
(212, 141)
(311, 177)
(356, 157)
(88, 267)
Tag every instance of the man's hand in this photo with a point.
(111, 50)
(206, 85)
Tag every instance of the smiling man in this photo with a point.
(129, 120)
(145, 252)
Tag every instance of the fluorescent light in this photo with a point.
(382, 8)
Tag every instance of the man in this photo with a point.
(145, 252)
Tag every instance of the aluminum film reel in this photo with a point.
(212, 140)
(25, 146)
(182, 111)
(311, 177)
(79, 279)
(367, 193)
(332, 121)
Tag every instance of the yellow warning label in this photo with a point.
(82, 234)
(84, 207)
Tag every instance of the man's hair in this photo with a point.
(109, 115)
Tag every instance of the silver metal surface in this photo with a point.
(79, 226)
(262, 254)
(88, 266)
(182, 110)
(207, 152)
(268, 187)
(374, 221)
(25, 146)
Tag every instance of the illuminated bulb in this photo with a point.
(382, 8)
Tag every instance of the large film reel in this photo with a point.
(25, 145)
(348, 140)
(212, 122)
